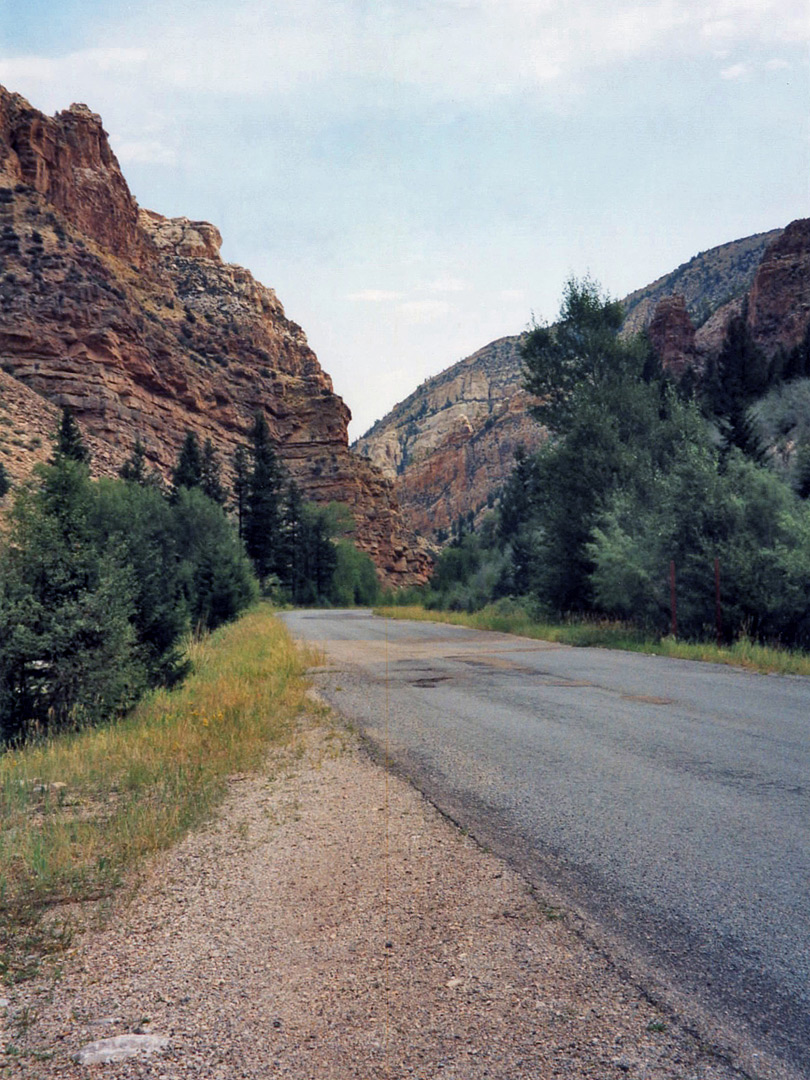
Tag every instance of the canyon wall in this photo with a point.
(134, 321)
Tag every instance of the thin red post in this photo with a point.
(673, 607)
(718, 610)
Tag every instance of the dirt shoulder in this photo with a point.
(330, 923)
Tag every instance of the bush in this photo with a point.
(744, 516)
(355, 579)
(98, 583)
(66, 607)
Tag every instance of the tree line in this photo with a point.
(101, 580)
(642, 471)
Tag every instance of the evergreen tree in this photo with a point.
(69, 442)
(802, 473)
(134, 468)
(187, 473)
(210, 475)
(241, 486)
(66, 604)
(263, 509)
(738, 376)
(294, 554)
(5, 483)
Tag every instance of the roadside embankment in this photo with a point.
(329, 923)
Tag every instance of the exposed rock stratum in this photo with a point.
(134, 321)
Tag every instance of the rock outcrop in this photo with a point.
(779, 300)
(672, 335)
(452, 443)
(133, 321)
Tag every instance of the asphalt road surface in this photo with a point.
(666, 801)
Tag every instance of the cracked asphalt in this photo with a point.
(665, 802)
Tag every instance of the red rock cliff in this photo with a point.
(134, 321)
(779, 300)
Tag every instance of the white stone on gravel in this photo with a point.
(119, 1048)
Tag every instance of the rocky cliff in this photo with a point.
(134, 321)
(450, 445)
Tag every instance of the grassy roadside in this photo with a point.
(79, 809)
(611, 635)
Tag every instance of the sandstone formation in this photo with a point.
(133, 321)
(672, 335)
(450, 445)
(779, 300)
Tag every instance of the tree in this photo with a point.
(187, 473)
(582, 349)
(241, 486)
(217, 578)
(736, 378)
(354, 580)
(262, 519)
(66, 604)
(802, 471)
(5, 482)
(210, 481)
(605, 405)
(139, 524)
(134, 468)
(742, 515)
(69, 442)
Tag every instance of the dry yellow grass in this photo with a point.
(78, 809)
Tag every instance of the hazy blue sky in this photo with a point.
(416, 177)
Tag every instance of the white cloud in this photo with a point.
(453, 50)
(734, 71)
(375, 296)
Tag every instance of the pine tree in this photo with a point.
(69, 442)
(241, 486)
(5, 483)
(262, 522)
(738, 376)
(187, 472)
(802, 473)
(134, 468)
(210, 475)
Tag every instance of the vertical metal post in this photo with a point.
(673, 607)
(718, 610)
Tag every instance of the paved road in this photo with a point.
(667, 801)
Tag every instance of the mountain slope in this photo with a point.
(134, 321)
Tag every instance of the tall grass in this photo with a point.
(613, 635)
(79, 809)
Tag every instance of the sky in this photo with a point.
(416, 178)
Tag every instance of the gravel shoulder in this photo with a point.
(331, 923)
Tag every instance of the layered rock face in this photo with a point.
(450, 445)
(672, 335)
(779, 301)
(134, 322)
